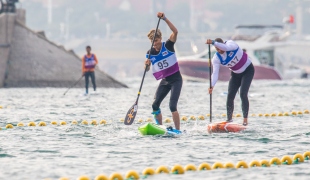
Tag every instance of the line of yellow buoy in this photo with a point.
(62, 123)
(202, 117)
(167, 120)
(178, 169)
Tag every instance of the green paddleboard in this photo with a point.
(151, 129)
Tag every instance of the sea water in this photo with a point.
(52, 152)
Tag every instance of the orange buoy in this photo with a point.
(224, 127)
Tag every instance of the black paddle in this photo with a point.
(73, 85)
(210, 72)
(132, 112)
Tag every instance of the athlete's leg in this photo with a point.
(174, 98)
(234, 84)
(161, 92)
(86, 81)
(93, 80)
(247, 78)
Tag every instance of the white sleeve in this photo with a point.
(228, 46)
(216, 68)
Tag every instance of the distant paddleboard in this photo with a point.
(225, 127)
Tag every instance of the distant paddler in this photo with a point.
(89, 62)
(165, 68)
(232, 56)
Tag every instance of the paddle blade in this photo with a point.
(131, 114)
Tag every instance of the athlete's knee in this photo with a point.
(173, 105)
(243, 95)
(155, 106)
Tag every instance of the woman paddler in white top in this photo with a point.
(232, 56)
(165, 67)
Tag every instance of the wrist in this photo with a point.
(213, 42)
(164, 18)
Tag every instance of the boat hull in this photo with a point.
(199, 71)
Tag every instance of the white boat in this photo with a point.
(274, 53)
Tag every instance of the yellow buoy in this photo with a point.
(201, 117)
(299, 112)
(253, 115)
(306, 111)
(9, 126)
(306, 155)
(260, 115)
(242, 164)
(223, 115)
(280, 114)
(255, 164)
(184, 118)
(275, 161)
(286, 160)
(42, 123)
(117, 176)
(148, 171)
(64, 178)
(266, 115)
(74, 122)
(149, 120)
(103, 122)
(20, 124)
(229, 165)
(286, 114)
(101, 177)
(298, 158)
(84, 122)
(294, 113)
(167, 120)
(63, 123)
(208, 115)
(217, 165)
(132, 175)
(273, 114)
(177, 169)
(238, 115)
(1, 107)
(54, 123)
(162, 169)
(190, 167)
(204, 166)
(121, 120)
(192, 118)
(140, 121)
(83, 178)
(93, 122)
(264, 163)
(32, 124)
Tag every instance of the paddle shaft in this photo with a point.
(210, 72)
(73, 85)
(147, 65)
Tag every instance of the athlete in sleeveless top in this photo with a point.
(89, 61)
(165, 68)
(232, 56)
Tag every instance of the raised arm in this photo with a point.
(228, 46)
(173, 36)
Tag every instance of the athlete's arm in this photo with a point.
(216, 69)
(147, 64)
(96, 59)
(83, 65)
(228, 46)
(173, 36)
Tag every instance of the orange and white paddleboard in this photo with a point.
(225, 127)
